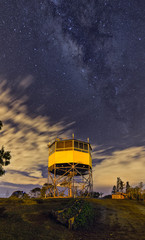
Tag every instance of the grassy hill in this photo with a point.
(31, 220)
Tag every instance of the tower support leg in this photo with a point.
(73, 178)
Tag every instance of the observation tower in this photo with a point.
(69, 168)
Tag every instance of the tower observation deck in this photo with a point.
(69, 168)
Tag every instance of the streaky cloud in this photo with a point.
(26, 137)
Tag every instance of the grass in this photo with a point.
(30, 219)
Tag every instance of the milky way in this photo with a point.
(83, 62)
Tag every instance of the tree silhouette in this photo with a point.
(19, 194)
(5, 157)
(127, 187)
(120, 185)
(1, 125)
(114, 190)
(47, 189)
(35, 192)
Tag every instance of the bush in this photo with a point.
(85, 217)
(78, 215)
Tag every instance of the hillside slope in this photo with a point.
(30, 219)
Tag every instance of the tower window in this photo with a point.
(68, 144)
(60, 144)
(85, 146)
(81, 145)
(75, 144)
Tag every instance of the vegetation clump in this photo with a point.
(19, 195)
(78, 215)
(85, 217)
(5, 156)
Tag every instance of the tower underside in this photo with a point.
(69, 180)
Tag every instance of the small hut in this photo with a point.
(119, 195)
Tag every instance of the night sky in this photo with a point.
(72, 67)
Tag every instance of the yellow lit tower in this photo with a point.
(69, 168)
